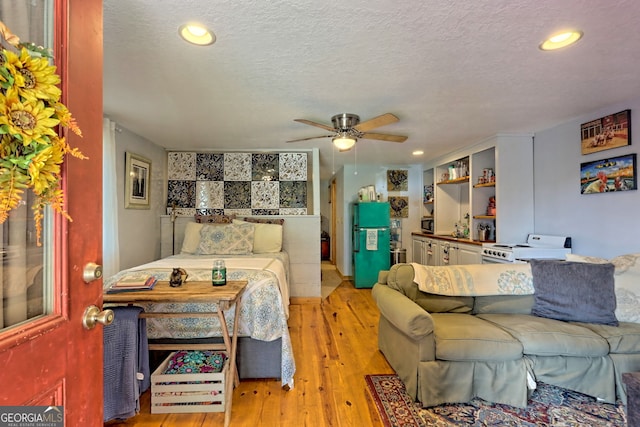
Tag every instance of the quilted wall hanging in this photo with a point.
(237, 183)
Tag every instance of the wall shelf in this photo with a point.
(488, 184)
(484, 217)
(454, 181)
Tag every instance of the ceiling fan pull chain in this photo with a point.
(355, 155)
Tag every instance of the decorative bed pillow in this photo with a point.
(574, 291)
(214, 219)
(195, 362)
(227, 239)
(278, 221)
(267, 237)
(191, 238)
(627, 283)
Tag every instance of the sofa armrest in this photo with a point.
(382, 276)
(402, 312)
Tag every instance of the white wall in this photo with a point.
(604, 225)
(139, 229)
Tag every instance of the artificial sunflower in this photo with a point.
(31, 150)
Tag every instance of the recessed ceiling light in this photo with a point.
(197, 34)
(560, 40)
(418, 153)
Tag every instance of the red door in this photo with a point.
(54, 360)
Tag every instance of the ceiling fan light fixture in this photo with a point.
(344, 141)
(197, 34)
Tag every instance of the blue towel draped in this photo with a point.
(125, 356)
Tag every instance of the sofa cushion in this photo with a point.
(463, 337)
(623, 339)
(518, 304)
(627, 283)
(574, 291)
(541, 336)
(400, 278)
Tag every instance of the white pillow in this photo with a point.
(227, 239)
(627, 283)
(191, 238)
(267, 238)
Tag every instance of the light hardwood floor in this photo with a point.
(335, 346)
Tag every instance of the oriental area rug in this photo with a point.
(548, 406)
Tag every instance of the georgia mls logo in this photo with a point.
(31, 416)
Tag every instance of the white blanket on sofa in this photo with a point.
(474, 279)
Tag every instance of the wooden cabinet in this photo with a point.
(425, 250)
(417, 250)
(467, 194)
(468, 254)
(438, 251)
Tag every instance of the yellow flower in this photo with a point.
(40, 78)
(28, 121)
(9, 76)
(44, 169)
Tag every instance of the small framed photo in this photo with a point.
(137, 178)
(613, 174)
(607, 132)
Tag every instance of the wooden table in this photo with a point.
(224, 296)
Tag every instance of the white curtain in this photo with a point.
(110, 241)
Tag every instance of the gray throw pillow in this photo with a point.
(574, 291)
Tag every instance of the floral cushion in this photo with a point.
(627, 283)
(195, 362)
(228, 239)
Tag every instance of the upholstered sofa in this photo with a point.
(493, 331)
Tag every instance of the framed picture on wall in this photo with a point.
(606, 175)
(607, 132)
(399, 206)
(397, 180)
(137, 178)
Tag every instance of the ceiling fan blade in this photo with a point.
(316, 124)
(312, 137)
(376, 122)
(385, 137)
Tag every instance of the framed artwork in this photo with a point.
(613, 174)
(399, 206)
(137, 177)
(398, 180)
(607, 132)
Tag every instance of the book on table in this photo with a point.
(139, 282)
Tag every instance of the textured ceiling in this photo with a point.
(455, 72)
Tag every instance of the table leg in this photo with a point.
(231, 343)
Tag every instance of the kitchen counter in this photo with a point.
(447, 238)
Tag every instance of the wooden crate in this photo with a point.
(180, 393)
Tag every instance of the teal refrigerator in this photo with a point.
(371, 242)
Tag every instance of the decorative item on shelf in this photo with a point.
(31, 149)
(491, 208)
(445, 177)
(428, 194)
(483, 232)
(487, 174)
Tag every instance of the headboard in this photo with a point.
(301, 240)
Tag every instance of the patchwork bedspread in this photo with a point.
(263, 309)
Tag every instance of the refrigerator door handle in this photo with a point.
(356, 240)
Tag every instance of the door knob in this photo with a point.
(91, 272)
(93, 315)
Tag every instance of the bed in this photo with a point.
(252, 252)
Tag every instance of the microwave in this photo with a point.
(427, 225)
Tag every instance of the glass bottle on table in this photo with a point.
(218, 273)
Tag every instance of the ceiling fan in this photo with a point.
(347, 129)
